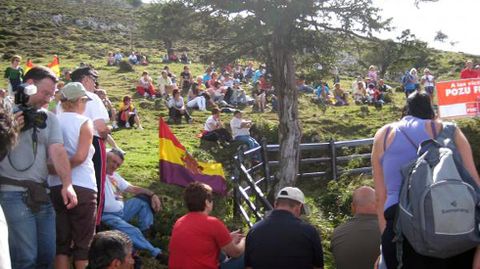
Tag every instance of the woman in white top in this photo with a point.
(177, 109)
(75, 225)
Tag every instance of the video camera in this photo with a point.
(32, 116)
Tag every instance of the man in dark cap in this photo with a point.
(97, 112)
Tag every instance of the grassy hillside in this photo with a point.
(27, 28)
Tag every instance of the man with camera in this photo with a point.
(23, 173)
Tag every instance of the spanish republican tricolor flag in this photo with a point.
(178, 167)
(55, 66)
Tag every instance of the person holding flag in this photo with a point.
(55, 65)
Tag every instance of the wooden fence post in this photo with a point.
(333, 156)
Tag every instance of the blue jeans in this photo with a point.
(119, 221)
(251, 143)
(31, 236)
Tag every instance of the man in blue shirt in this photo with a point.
(283, 240)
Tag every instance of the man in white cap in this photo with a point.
(283, 240)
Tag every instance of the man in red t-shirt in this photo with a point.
(469, 72)
(198, 238)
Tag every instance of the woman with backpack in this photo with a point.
(393, 149)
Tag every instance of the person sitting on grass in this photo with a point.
(200, 240)
(177, 109)
(214, 129)
(165, 84)
(145, 86)
(360, 94)
(323, 93)
(197, 98)
(241, 132)
(118, 213)
(340, 95)
(239, 97)
(127, 114)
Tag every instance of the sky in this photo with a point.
(455, 18)
(458, 19)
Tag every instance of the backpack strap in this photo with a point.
(434, 130)
(409, 139)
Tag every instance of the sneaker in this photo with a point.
(114, 126)
(127, 125)
(140, 127)
(146, 95)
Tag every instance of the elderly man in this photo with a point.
(117, 213)
(283, 240)
(29, 213)
(356, 243)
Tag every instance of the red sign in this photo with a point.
(459, 98)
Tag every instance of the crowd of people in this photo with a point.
(59, 185)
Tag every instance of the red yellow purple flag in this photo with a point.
(178, 167)
(28, 65)
(55, 66)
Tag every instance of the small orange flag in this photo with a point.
(55, 66)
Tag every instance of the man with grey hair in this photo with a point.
(283, 240)
(111, 249)
(356, 243)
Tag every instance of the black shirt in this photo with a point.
(283, 241)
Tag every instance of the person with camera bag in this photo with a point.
(23, 173)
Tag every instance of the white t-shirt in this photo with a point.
(429, 80)
(235, 124)
(114, 186)
(211, 124)
(176, 103)
(83, 175)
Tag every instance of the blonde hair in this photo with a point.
(68, 105)
(16, 57)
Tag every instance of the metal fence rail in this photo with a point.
(251, 179)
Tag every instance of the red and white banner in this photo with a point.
(458, 98)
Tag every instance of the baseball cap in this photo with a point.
(74, 90)
(80, 72)
(294, 194)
